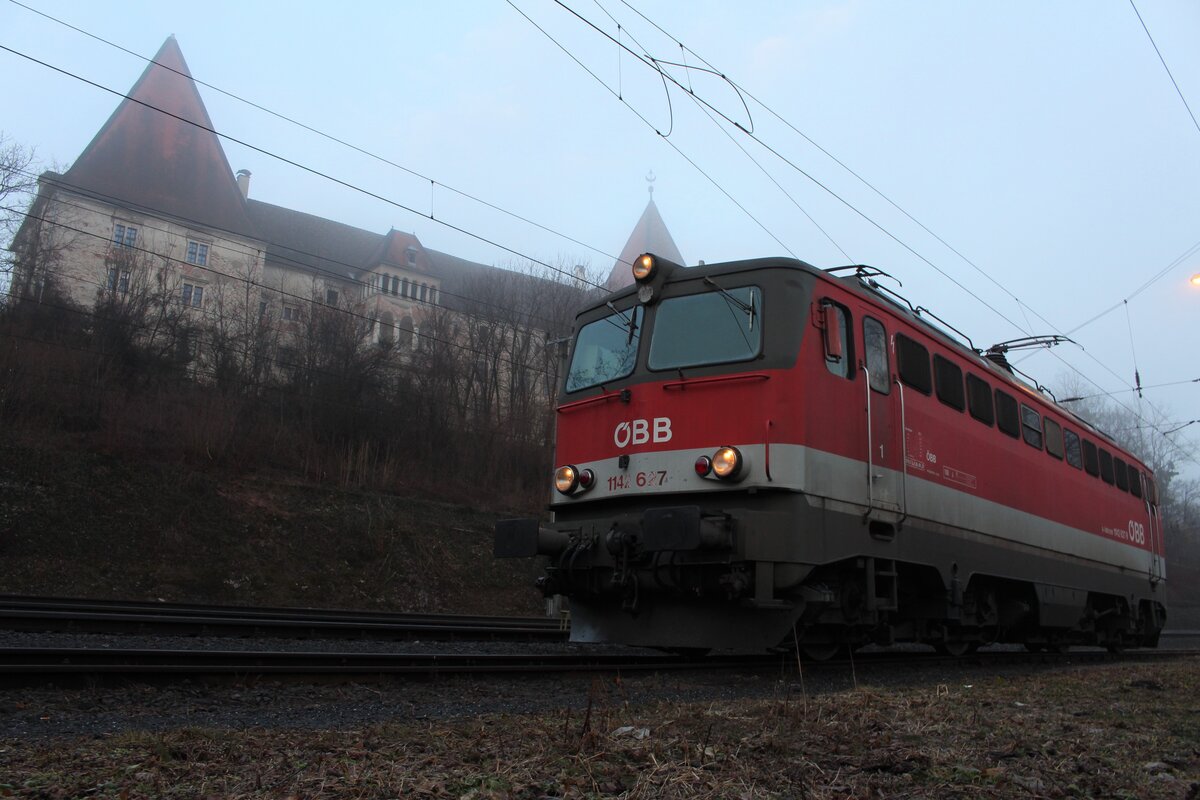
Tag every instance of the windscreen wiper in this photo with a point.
(630, 321)
(747, 308)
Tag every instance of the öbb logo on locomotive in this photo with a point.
(640, 431)
(801, 459)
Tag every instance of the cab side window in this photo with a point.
(839, 350)
(876, 355)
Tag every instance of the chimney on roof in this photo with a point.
(243, 182)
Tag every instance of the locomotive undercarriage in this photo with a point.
(794, 574)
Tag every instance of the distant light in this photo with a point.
(1196, 279)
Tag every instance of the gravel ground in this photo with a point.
(1122, 730)
(52, 711)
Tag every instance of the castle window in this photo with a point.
(291, 313)
(424, 292)
(193, 295)
(124, 235)
(405, 338)
(197, 253)
(410, 255)
(395, 284)
(331, 297)
(118, 281)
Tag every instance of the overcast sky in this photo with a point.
(1042, 141)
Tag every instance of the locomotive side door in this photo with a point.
(884, 413)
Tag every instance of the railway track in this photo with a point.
(51, 664)
(98, 616)
(55, 662)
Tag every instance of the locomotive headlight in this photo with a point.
(643, 268)
(727, 463)
(566, 478)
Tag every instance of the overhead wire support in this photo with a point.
(652, 63)
(651, 125)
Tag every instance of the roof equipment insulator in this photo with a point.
(998, 358)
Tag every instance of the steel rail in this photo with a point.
(48, 662)
(63, 614)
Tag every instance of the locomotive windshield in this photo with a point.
(606, 349)
(712, 328)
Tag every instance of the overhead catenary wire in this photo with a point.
(656, 65)
(744, 151)
(298, 165)
(283, 293)
(653, 64)
(1163, 61)
(413, 211)
(327, 136)
(251, 252)
(1110, 394)
(651, 125)
(740, 89)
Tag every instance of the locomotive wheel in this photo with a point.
(955, 649)
(820, 651)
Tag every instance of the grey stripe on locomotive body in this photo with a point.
(837, 484)
(809, 515)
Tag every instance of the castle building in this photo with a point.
(153, 205)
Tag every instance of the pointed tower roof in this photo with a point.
(650, 235)
(168, 164)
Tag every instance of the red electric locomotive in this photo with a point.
(760, 451)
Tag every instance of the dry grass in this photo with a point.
(1121, 731)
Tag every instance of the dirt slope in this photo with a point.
(78, 523)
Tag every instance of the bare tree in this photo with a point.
(1145, 435)
(18, 182)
